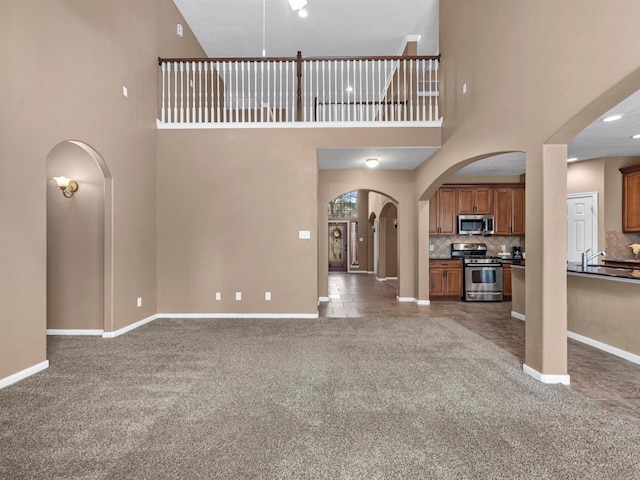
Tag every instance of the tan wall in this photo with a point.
(230, 206)
(85, 52)
(605, 310)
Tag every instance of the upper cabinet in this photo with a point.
(442, 212)
(631, 199)
(504, 201)
(509, 210)
(474, 200)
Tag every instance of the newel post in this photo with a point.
(299, 92)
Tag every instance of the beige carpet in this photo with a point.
(341, 398)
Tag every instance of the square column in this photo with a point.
(546, 265)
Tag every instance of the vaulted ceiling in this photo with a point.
(242, 28)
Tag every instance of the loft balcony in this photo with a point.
(297, 91)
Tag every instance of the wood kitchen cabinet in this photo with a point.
(506, 281)
(509, 210)
(445, 278)
(631, 199)
(475, 201)
(442, 212)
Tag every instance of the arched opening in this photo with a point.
(79, 246)
(388, 242)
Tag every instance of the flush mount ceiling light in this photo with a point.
(612, 118)
(371, 162)
(636, 136)
(302, 13)
(297, 4)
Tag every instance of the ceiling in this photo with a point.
(233, 28)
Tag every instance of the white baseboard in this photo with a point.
(238, 315)
(22, 374)
(406, 299)
(517, 315)
(62, 331)
(544, 378)
(632, 357)
(413, 300)
(128, 328)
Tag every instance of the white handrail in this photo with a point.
(347, 90)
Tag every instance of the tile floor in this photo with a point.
(605, 378)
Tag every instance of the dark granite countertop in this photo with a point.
(602, 270)
(511, 261)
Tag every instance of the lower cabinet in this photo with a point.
(506, 281)
(445, 278)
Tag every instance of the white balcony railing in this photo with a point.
(287, 90)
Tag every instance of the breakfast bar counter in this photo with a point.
(603, 305)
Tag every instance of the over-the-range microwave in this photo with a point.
(475, 224)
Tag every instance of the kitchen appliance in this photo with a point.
(475, 224)
(516, 253)
(482, 273)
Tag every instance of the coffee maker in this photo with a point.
(516, 253)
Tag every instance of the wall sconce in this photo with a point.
(395, 223)
(67, 186)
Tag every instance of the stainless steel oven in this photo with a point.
(482, 280)
(482, 274)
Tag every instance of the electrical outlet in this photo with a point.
(431, 247)
(139, 302)
(267, 296)
(125, 91)
(238, 295)
(218, 296)
(504, 248)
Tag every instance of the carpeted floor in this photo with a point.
(339, 398)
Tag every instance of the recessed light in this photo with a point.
(636, 136)
(612, 118)
(302, 13)
(572, 159)
(371, 162)
(349, 89)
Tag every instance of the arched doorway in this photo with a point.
(79, 243)
(388, 242)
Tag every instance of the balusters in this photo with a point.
(389, 89)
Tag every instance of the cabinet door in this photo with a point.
(436, 282)
(466, 201)
(453, 279)
(631, 199)
(447, 211)
(518, 211)
(506, 280)
(483, 199)
(502, 211)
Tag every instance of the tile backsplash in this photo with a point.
(618, 245)
(442, 244)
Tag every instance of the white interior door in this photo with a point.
(582, 224)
